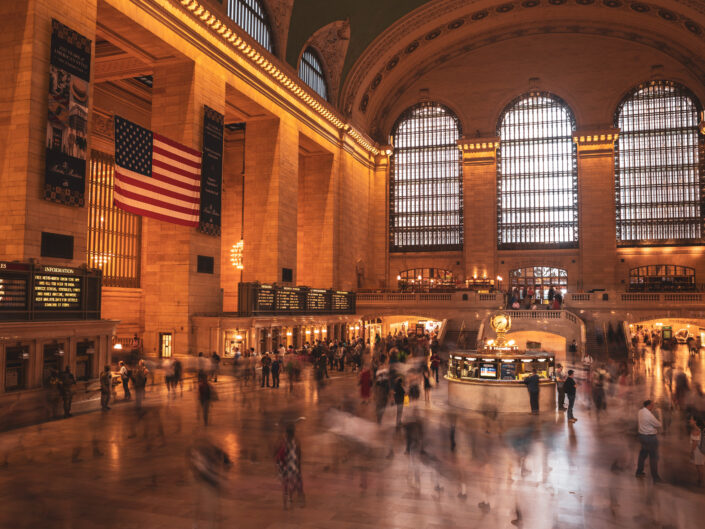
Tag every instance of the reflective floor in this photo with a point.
(122, 469)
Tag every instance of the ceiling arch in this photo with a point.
(444, 30)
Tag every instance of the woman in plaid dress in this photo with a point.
(289, 465)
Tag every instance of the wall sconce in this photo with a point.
(308, 331)
(315, 331)
(398, 278)
(238, 337)
(289, 333)
(117, 347)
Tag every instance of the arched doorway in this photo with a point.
(662, 278)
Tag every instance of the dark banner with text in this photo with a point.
(67, 124)
(211, 171)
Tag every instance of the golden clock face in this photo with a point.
(500, 323)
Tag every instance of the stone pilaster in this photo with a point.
(596, 204)
(479, 163)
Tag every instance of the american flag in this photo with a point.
(155, 176)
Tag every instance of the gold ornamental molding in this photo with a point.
(235, 41)
(478, 151)
(595, 142)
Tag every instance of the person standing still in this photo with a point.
(569, 389)
(560, 386)
(648, 428)
(105, 382)
(532, 384)
(125, 377)
(266, 363)
(205, 395)
(435, 364)
(276, 368)
(140, 383)
(215, 366)
(67, 381)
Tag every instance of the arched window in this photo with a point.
(659, 278)
(537, 177)
(251, 16)
(311, 72)
(542, 278)
(659, 167)
(425, 185)
(425, 278)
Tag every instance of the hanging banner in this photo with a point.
(67, 124)
(211, 171)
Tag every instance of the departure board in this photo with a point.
(57, 288)
(290, 299)
(317, 300)
(14, 278)
(265, 298)
(340, 301)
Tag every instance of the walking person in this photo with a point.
(427, 385)
(532, 384)
(435, 364)
(205, 396)
(399, 395)
(140, 383)
(648, 428)
(288, 460)
(276, 368)
(215, 366)
(560, 386)
(569, 389)
(105, 385)
(697, 447)
(125, 378)
(66, 383)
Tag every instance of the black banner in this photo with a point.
(67, 124)
(211, 171)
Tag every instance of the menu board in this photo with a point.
(340, 301)
(290, 299)
(57, 288)
(316, 300)
(265, 298)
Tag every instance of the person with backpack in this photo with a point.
(697, 447)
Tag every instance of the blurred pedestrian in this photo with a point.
(106, 380)
(697, 447)
(215, 366)
(435, 364)
(569, 389)
(560, 386)
(66, 383)
(288, 460)
(648, 428)
(266, 364)
(532, 384)
(205, 396)
(365, 382)
(209, 465)
(125, 379)
(381, 390)
(399, 395)
(276, 368)
(427, 384)
(140, 383)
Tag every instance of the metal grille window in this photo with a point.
(251, 16)
(425, 278)
(425, 185)
(311, 73)
(537, 176)
(114, 235)
(659, 181)
(659, 278)
(541, 278)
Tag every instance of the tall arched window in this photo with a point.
(537, 176)
(251, 16)
(659, 180)
(311, 72)
(425, 184)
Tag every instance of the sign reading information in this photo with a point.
(211, 171)
(67, 123)
(57, 288)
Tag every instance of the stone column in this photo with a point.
(479, 205)
(173, 289)
(378, 262)
(596, 206)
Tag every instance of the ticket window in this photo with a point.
(16, 367)
(85, 352)
(52, 361)
(166, 344)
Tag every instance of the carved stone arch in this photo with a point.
(331, 43)
(279, 13)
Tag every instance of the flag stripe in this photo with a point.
(158, 182)
(174, 159)
(142, 197)
(137, 210)
(153, 192)
(175, 174)
(177, 146)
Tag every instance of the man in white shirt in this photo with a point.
(648, 428)
(560, 380)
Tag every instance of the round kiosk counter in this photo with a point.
(489, 381)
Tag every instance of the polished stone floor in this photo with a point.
(115, 469)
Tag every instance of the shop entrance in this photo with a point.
(52, 361)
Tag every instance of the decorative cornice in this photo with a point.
(479, 151)
(593, 143)
(262, 63)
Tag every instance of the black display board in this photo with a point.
(67, 119)
(211, 171)
(256, 298)
(39, 292)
